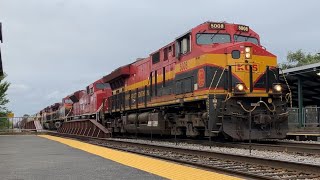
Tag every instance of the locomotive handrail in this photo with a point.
(97, 112)
(214, 93)
(256, 105)
(288, 95)
(214, 76)
(224, 69)
(217, 82)
(68, 113)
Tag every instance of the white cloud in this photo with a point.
(53, 95)
(18, 88)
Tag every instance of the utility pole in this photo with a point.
(1, 68)
(1, 32)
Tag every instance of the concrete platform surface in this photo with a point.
(166, 169)
(36, 158)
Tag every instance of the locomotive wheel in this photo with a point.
(57, 124)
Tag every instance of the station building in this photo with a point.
(304, 116)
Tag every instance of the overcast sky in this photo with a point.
(54, 47)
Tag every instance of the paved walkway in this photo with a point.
(37, 158)
(161, 168)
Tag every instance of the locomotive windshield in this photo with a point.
(239, 38)
(102, 85)
(212, 38)
(67, 101)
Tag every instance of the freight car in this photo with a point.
(216, 79)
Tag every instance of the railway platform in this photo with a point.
(48, 157)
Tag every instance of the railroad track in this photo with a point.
(279, 146)
(244, 166)
(298, 148)
(295, 147)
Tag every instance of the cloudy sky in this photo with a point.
(54, 47)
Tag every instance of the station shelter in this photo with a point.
(304, 84)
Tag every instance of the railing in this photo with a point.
(309, 117)
(293, 118)
(10, 124)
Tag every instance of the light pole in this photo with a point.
(1, 68)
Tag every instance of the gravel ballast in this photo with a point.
(282, 156)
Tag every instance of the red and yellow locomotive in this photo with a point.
(215, 79)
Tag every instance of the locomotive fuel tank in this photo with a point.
(143, 118)
(146, 122)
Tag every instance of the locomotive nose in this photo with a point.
(262, 119)
(249, 62)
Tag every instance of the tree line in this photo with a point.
(299, 58)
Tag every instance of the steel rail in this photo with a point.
(290, 147)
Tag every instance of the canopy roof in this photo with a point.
(310, 81)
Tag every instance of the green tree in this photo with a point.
(299, 58)
(4, 121)
(4, 85)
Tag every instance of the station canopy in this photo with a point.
(304, 82)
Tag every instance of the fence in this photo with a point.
(309, 117)
(10, 123)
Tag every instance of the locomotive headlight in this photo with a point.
(247, 50)
(277, 88)
(239, 89)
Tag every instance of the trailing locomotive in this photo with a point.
(216, 79)
(82, 104)
(87, 104)
(53, 116)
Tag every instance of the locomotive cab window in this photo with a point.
(212, 38)
(102, 85)
(165, 54)
(88, 90)
(183, 45)
(240, 38)
(156, 57)
(67, 101)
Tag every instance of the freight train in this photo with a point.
(216, 79)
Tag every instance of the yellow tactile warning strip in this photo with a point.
(158, 167)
